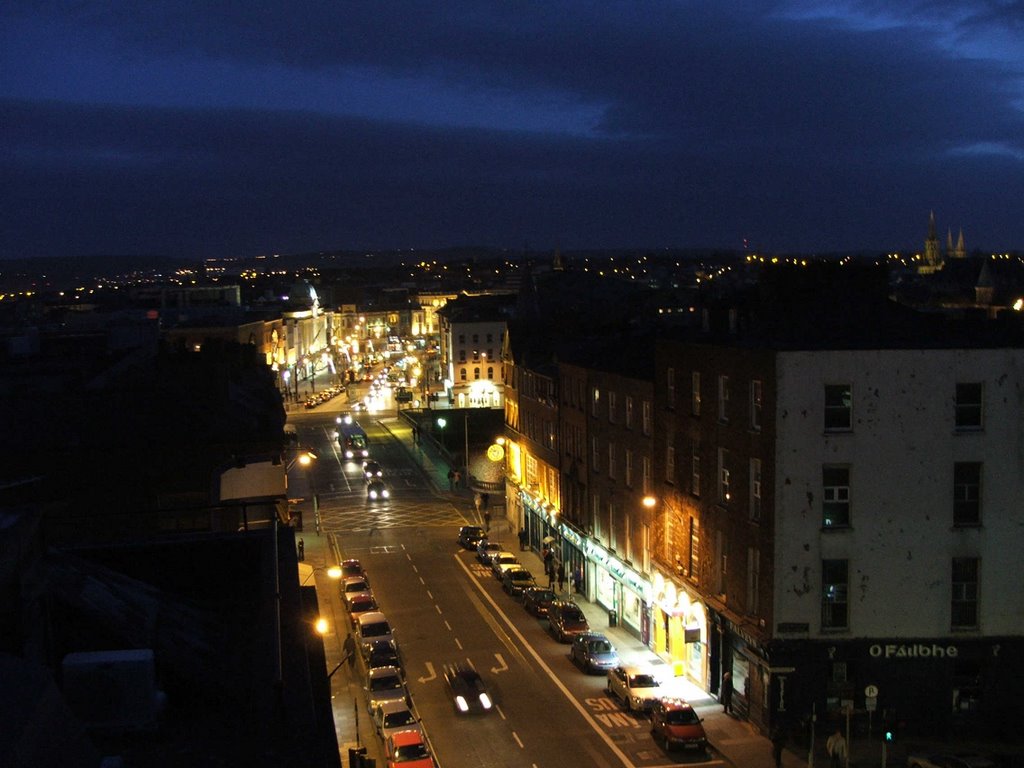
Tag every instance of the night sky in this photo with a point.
(236, 128)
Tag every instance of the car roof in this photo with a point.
(635, 669)
(373, 617)
(387, 706)
(668, 703)
(384, 671)
(406, 738)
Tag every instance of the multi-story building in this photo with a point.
(839, 515)
(472, 335)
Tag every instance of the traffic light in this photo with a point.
(890, 732)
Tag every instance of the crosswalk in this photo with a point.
(350, 512)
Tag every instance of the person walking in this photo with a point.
(835, 745)
(561, 576)
(577, 580)
(487, 520)
(522, 539)
(451, 480)
(778, 743)
(350, 650)
(725, 695)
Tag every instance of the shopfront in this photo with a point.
(680, 629)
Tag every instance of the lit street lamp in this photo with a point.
(441, 424)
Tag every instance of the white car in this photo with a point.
(637, 688)
(371, 627)
(385, 684)
(392, 716)
(502, 561)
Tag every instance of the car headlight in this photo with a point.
(460, 702)
(485, 701)
(384, 494)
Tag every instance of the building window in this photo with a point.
(612, 406)
(722, 567)
(838, 407)
(834, 583)
(968, 406)
(490, 372)
(490, 353)
(967, 493)
(627, 536)
(835, 496)
(629, 469)
(462, 374)
(476, 356)
(462, 338)
(645, 474)
(490, 338)
(595, 454)
(629, 412)
(670, 388)
(694, 558)
(695, 468)
(462, 355)
(646, 417)
(964, 606)
(755, 490)
(755, 405)
(612, 538)
(476, 373)
(595, 401)
(724, 476)
(670, 458)
(695, 393)
(476, 338)
(723, 398)
(595, 514)
(611, 461)
(753, 580)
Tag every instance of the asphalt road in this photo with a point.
(446, 607)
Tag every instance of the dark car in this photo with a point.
(675, 724)
(377, 491)
(516, 579)
(372, 469)
(470, 535)
(467, 689)
(593, 652)
(351, 568)
(537, 600)
(383, 653)
(566, 620)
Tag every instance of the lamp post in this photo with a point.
(441, 424)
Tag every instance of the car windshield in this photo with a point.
(386, 683)
(521, 576)
(379, 629)
(397, 719)
(681, 717)
(411, 752)
(642, 681)
(363, 604)
(600, 646)
(356, 586)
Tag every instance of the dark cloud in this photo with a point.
(800, 125)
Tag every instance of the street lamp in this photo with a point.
(441, 424)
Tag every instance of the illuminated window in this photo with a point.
(595, 401)
(834, 587)
(695, 393)
(694, 558)
(490, 372)
(724, 477)
(695, 468)
(476, 373)
(462, 374)
(670, 458)
(629, 412)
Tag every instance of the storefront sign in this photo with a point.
(913, 651)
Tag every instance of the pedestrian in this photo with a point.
(835, 745)
(561, 576)
(451, 480)
(458, 479)
(478, 501)
(485, 499)
(577, 580)
(522, 539)
(350, 650)
(725, 695)
(487, 521)
(549, 563)
(778, 742)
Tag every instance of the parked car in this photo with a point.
(467, 689)
(949, 760)
(485, 548)
(372, 627)
(500, 561)
(358, 604)
(593, 652)
(537, 600)
(392, 716)
(355, 585)
(351, 568)
(408, 749)
(566, 620)
(675, 724)
(470, 535)
(385, 684)
(637, 688)
(516, 579)
(383, 653)
(377, 491)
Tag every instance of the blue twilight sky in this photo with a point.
(235, 127)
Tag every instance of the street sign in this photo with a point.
(871, 691)
(871, 703)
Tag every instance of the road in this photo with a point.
(446, 607)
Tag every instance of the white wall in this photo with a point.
(901, 451)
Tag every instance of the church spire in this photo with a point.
(932, 261)
(961, 248)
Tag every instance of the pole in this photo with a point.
(465, 426)
(810, 749)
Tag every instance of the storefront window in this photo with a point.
(740, 673)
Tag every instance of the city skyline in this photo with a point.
(198, 131)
